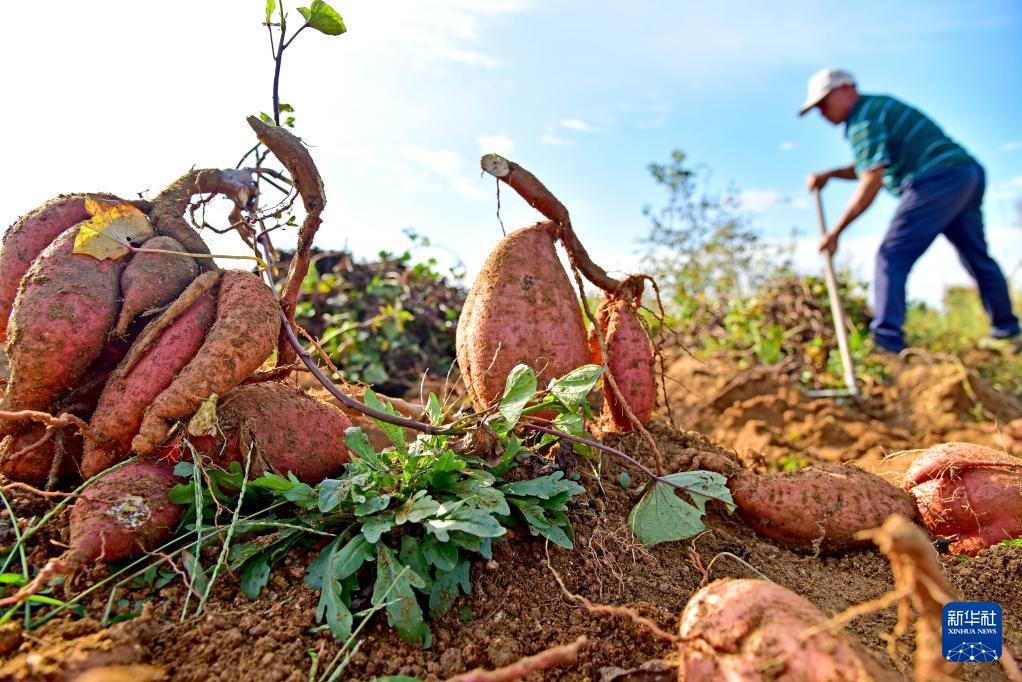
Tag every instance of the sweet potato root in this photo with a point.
(33, 466)
(520, 309)
(64, 311)
(240, 340)
(751, 630)
(969, 493)
(134, 385)
(819, 508)
(286, 430)
(630, 361)
(27, 238)
(125, 512)
(152, 280)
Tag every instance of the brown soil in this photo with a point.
(516, 607)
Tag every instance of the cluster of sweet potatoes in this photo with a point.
(108, 353)
(523, 309)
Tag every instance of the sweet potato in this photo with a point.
(33, 467)
(241, 338)
(818, 508)
(752, 630)
(968, 493)
(630, 361)
(65, 308)
(152, 280)
(27, 238)
(286, 430)
(125, 512)
(134, 385)
(520, 309)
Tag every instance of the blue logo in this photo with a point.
(971, 631)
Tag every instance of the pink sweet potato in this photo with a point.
(152, 280)
(752, 630)
(240, 340)
(968, 493)
(125, 512)
(65, 309)
(286, 430)
(28, 237)
(630, 361)
(819, 508)
(520, 309)
(134, 385)
(33, 467)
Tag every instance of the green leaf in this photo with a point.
(266, 118)
(415, 509)
(183, 469)
(468, 520)
(270, 6)
(571, 423)
(332, 492)
(395, 433)
(446, 587)
(434, 410)
(661, 516)
(375, 526)
(323, 18)
(356, 439)
(372, 505)
(287, 108)
(255, 574)
(329, 575)
(703, 486)
(624, 479)
(272, 482)
(518, 390)
(483, 495)
(403, 611)
(443, 555)
(544, 487)
(573, 387)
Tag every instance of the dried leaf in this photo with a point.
(203, 423)
(113, 229)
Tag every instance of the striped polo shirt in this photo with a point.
(885, 131)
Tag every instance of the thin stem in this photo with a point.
(278, 59)
(600, 446)
(139, 249)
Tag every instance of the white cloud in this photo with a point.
(760, 200)
(1016, 181)
(551, 139)
(576, 124)
(1012, 146)
(800, 203)
(430, 167)
(443, 162)
(498, 144)
(786, 146)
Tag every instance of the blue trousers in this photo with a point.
(947, 201)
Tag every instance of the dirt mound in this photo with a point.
(515, 608)
(760, 412)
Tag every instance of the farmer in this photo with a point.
(940, 188)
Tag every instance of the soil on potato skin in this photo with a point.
(516, 607)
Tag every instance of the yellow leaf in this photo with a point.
(204, 422)
(114, 227)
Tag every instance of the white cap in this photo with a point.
(821, 83)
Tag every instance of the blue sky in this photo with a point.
(124, 96)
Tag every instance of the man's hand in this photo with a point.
(829, 243)
(816, 181)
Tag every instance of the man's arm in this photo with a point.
(866, 191)
(818, 180)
